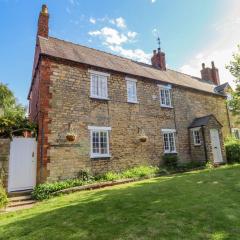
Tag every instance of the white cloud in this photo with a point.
(221, 48)
(110, 36)
(135, 54)
(153, 1)
(115, 39)
(155, 32)
(92, 20)
(131, 35)
(120, 22)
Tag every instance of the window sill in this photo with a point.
(170, 152)
(166, 106)
(99, 98)
(100, 156)
(134, 102)
(197, 145)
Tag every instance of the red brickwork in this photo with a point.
(158, 60)
(210, 74)
(43, 28)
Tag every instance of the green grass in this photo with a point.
(198, 205)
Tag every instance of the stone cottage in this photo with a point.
(97, 111)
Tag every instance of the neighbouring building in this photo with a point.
(101, 112)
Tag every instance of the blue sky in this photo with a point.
(191, 32)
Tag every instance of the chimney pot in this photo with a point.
(154, 52)
(44, 9)
(213, 66)
(203, 65)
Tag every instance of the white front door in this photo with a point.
(216, 146)
(22, 164)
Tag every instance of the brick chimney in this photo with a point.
(210, 74)
(43, 22)
(158, 59)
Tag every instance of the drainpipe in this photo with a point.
(205, 146)
(229, 121)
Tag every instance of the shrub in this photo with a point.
(232, 146)
(85, 175)
(3, 197)
(209, 165)
(45, 190)
(140, 171)
(190, 165)
(170, 160)
(110, 176)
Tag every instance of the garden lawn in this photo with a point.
(197, 205)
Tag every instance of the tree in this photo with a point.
(8, 103)
(12, 114)
(234, 69)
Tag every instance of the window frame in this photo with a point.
(99, 130)
(166, 89)
(173, 132)
(131, 81)
(234, 130)
(98, 75)
(194, 130)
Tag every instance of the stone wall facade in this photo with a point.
(4, 160)
(65, 98)
(198, 152)
(204, 152)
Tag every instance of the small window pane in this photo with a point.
(236, 133)
(99, 143)
(166, 142)
(131, 91)
(196, 137)
(165, 97)
(98, 86)
(169, 142)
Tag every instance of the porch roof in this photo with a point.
(202, 121)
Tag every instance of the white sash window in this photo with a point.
(99, 141)
(165, 95)
(99, 84)
(131, 90)
(169, 140)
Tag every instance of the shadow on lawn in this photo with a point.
(187, 206)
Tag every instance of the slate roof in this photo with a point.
(221, 87)
(78, 53)
(202, 121)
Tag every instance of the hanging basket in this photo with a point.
(70, 137)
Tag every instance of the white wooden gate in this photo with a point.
(22, 164)
(216, 146)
